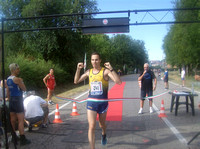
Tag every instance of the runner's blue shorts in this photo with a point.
(16, 104)
(99, 107)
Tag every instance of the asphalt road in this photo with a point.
(145, 131)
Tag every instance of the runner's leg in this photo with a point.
(102, 125)
(51, 94)
(150, 103)
(141, 103)
(102, 122)
(150, 93)
(13, 119)
(48, 94)
(20, 117)
(92, 115)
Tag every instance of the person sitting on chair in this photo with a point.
(36, 109)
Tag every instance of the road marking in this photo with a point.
(172, 128)
(167, 122)
(68, 103)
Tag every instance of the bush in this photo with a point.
(34, 70)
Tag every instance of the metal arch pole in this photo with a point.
(193, 138)
(3, 78)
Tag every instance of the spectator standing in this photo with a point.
(147, 87)
(50, 82)
(165, 78)
(183, 77)
(16, 107)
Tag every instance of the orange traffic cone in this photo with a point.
(57, 116)
(162, 110)
(74, 110)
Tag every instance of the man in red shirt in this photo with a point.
(49, 81)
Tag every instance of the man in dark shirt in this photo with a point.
(147, 87)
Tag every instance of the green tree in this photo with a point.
(181, 44)
(129, 52)
(119, 50)
(63, 47)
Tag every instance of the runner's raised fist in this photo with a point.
(107, 65)
(80, 65)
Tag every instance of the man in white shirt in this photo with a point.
(36, 109)
(183, 77)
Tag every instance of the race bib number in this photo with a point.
(96, 88)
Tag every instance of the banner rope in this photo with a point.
(107, 100)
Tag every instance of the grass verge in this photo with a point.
(175, 77)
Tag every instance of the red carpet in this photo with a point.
(115, 108)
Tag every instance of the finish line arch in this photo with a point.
(89, 26)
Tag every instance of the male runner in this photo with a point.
(98, 83)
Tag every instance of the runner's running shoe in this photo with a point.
(103, 140)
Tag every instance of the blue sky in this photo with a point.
(152, 35)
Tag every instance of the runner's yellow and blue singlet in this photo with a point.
(98, 85)
(99, 90)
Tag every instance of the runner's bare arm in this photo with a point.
(140, 78)
(20, 83)
(55, 83)
(155, 83)
(45, 79)
(112, 74)
(7, 94)
(77, 78)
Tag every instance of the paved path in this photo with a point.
(145, 131)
